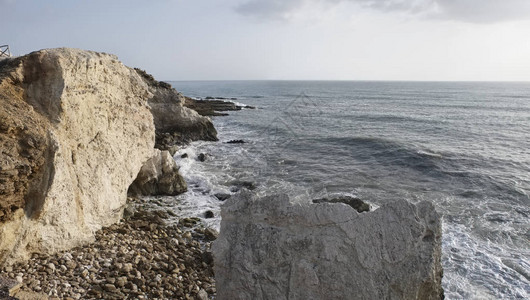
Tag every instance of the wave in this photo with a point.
(387, 152)
(380, 118)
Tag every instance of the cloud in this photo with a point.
(472, 11)
(273, 9)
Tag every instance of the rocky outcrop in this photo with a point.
(212, 107)
(174, 123)
(75, 129)
(270, 248)
(158, 176)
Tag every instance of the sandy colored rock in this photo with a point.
(269, 248)
(175, 123)
(158, 176)
(75, 131)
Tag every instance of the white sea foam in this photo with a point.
(466, 278)
(428, 153)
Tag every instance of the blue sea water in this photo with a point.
(465, 146)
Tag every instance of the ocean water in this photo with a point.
(463, 146)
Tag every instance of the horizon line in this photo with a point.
(355, 80)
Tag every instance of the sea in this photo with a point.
(464, 146)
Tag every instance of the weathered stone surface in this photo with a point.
(75, 129)
(358, 204)
(175, 123)
(271, 249)
(158, 176)
(26, 149)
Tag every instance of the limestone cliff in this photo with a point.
(75, 129)
(269, 248)
(175, 123)
(158, 176)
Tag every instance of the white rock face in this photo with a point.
(100, 132)
(159, 176)
(269, 248)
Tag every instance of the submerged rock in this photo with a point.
(358, 204)
(75, 130)
(158, 176)
(271, 249)
(238, 185)
(235, 142)
(201, 157)
(222, 196)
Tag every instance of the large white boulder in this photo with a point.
(159, 176)
(269, 248)
(77, 130)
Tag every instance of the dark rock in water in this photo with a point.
(222, 196)
(249, 185)
(185, 155)
(236, 142)
(358, 204)
(218, 98)
(209, 214)
(201, 157)
(212, 106)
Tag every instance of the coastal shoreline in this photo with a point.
(143, 256)
(51, 249)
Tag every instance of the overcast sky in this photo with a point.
(286, 39)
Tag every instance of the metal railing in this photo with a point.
(4, 51)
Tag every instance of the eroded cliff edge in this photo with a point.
(75, 129)
(270, 248)
(175, 123)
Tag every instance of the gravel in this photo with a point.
(142, 257)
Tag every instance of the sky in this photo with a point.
(426, 40)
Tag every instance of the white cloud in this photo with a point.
(473, 11)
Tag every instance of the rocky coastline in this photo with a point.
(44, 96)
(84, 138)
(142, 257)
